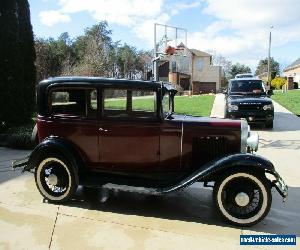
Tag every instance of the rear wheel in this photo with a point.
(55, 178)
(242, 198)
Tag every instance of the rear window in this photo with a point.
(74, 102)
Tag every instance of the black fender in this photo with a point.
(212, 169)
(57, 145)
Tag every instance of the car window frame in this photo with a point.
(70, 116)
(102, 117)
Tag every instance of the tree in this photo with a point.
(238, 69)
(93, 54)
(262, 67)
(28, 81)
(219, 60)
(10, 66)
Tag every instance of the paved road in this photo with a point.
(184, 220)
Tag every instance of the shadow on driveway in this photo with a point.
(192, 205)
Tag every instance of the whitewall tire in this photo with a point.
(242, 198)
(55, 179)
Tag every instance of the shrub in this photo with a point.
(278, 82)
(296, 85)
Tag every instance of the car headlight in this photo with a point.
(252, 141)
(245, 131)
(268, 107)
(232, 107)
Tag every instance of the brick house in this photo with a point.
(192, 69)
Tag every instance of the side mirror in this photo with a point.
(270, 92)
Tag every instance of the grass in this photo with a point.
(290, 100)
(199, 105)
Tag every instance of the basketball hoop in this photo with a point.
(170, 50)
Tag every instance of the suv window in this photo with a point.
(130, 104)
(74, 102)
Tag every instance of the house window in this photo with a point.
(199, 64)
(174, 66)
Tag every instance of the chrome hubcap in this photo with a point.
(52, 179)
(242, 199)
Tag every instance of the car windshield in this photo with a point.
(246, 87)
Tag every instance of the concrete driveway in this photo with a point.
(184, 220)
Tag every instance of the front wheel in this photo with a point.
(55, 178)
(242, 198)
(269, 124)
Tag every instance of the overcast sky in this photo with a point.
(237, 29)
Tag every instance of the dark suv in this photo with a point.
(247, 98)
(124, 135)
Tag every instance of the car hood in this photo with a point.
(246, 99)
(206, 121)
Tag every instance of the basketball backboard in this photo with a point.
(166, 35)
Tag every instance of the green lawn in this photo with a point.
(290, 100)
(200, 105)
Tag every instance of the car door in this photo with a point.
(129, 131)
(73, 118)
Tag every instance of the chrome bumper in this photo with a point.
(280, 185)
(20, 163)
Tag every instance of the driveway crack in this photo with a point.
(57, 213)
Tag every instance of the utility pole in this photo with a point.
(269, 57)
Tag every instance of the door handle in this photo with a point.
(102, 129)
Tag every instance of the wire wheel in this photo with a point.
(243, 198)
(54, 179)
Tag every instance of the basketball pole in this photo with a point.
(156, 57)
(155, 73)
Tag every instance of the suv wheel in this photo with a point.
(55, 179)
(269, 124)
(242, 198)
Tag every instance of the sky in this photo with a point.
(236, 29)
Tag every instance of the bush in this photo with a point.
(18, 137)
(278, 82)
(296, 85)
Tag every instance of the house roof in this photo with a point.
(199, 53)
(295, 64)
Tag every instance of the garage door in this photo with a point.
(204, 87)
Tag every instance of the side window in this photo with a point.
(129, 104)
(143, 101)
(115, 99)
(74, 102)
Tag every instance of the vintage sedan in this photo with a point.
(124, 135)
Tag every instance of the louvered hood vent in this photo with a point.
(206, 149)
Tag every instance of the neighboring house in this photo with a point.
(191, 69)
(293, 70)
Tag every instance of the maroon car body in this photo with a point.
(124, 134)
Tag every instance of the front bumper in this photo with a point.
(252, 116)
(279, 184)
(20, 163)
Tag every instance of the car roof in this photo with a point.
(102, 81)
(246, 79)
(243, 74)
